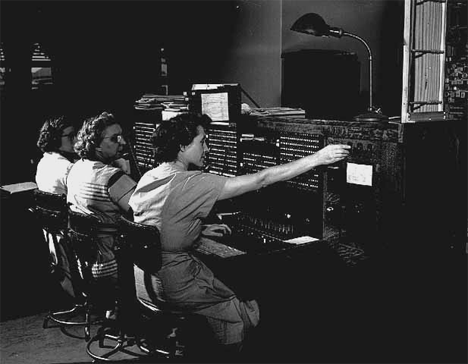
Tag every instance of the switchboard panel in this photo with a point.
(222, 158)
(143, 128)
(403, 185)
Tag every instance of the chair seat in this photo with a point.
(162, 308)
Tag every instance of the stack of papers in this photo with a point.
(161, 102)
(288, 112)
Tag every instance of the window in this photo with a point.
(3, 69)
(41, 69)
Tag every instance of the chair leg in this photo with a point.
(167, 346)
(118, 342)
(60, 317)
(112, 339)
(68, 318)
(87, 328)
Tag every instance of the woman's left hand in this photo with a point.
(123, 164)
(215, 230)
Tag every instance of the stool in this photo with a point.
(168, 326)
(51, 212)
(119, 336)
(173, 333)
(169, 342)
(140, 245)
(82, 232)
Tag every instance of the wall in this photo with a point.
(254, 58)
(378, 22)
(261, 34)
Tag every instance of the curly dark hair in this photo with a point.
(176, 132)
(91, 134)
(50, 135)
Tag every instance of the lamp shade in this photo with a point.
(311, 23)
(314, 24)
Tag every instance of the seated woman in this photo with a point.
(56, 139)
(96, 187)
(176, 199)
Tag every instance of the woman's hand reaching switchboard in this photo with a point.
(332, 153)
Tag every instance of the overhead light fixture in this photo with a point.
(313, 24)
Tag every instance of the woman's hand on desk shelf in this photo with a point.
(215, 230)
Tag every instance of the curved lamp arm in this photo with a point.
(313, 24)
(371, 106)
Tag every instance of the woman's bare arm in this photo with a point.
(250, 182)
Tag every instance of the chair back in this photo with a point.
(82, 230)
(144, 242)
(51, 211)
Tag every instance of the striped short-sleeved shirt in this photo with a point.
(96, 188)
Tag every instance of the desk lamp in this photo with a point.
(314, 24)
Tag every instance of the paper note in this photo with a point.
(211, 86)
(215, 105)
(301, 240)
(359, 174)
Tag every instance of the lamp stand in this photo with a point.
(313, 24)
(372, 114)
